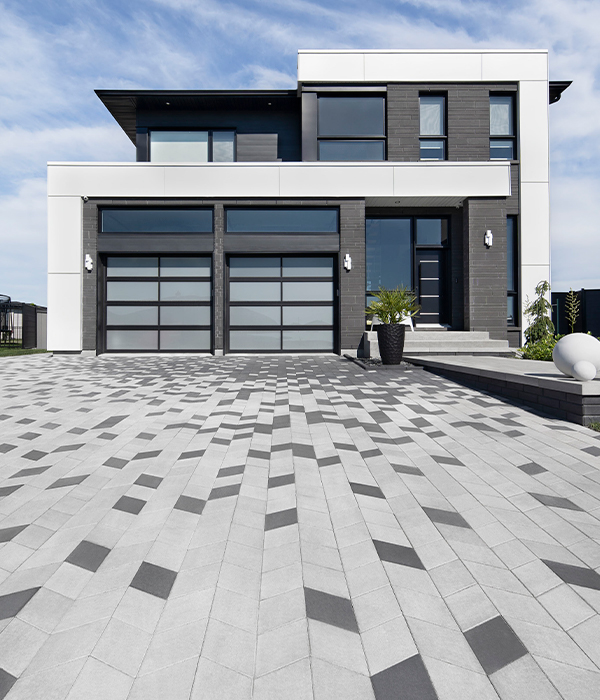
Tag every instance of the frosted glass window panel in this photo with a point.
(132, 315)
(351, 150)
(185, 315)
(254, 340)
(223, 144)
(185, 340)
(351, 116)
(307, 267)
(255, 291)
(255, 316)
(179, 146)
(307, 291)
(132, 267)
(431, 109)
(131, 291)
(132, 340)
(501, 115)
(308, 340)
(308, 316)
(185, 267)
(185, 291)
(254, 267)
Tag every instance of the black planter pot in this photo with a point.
(390, 337)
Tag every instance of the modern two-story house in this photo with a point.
(260, 221)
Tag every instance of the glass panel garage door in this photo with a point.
(158, 304)
(281, 304)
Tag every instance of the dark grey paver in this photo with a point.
(152, 482)
(281, 519)
(88, 555)
(224, 491)
(150, 454)
(191, 454)
(12, 603)
(495, 644)
(331, 609)
(116, 463)
(109, 422)
(155, 580)
(7, 490)
(531, 468)
(398, 554)
(68, 481)
(6, 683)
(367, 490)
(129, 504)
(190, 504)
(231, 471)
(29, 472)
(575, 575)
(407, 680)
(555, 501)
(406, 469)
(281, 480)
(446, 517)
(34, 455)
(8, 533)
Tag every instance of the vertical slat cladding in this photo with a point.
(352, 283)
(256, 148)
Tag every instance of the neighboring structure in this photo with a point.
(259, 220)
(22, 325)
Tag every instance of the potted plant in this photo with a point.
(392, 306)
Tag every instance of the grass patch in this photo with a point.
(594, 426)
(12, 352)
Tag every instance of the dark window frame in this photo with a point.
(495, 138)
(513, 293)
(209, 130)
(381, 138)
(442, 137)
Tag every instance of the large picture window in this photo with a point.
(351, 128)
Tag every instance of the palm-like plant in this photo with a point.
(393, 305)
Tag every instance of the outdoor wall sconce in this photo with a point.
(89, 263)
(488, 239)
(348, 262)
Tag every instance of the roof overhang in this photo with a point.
(556, 89)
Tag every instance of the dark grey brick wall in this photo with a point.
(352, 283)
(484, 269)
(468, 127)
(218, 277)
(90, 279)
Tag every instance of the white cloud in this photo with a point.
(23, 262)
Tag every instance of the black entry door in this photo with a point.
(430, 286)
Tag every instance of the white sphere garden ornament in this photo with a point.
(578, 355)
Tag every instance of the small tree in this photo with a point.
(572, 304)
(538, 311)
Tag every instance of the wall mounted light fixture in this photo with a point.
(89, 263)
(348, 262)
(488, 239)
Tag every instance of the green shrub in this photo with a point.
(542, 349)
(538, 312)
(594, 426)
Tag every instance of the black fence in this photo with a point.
(19, 324)
(589, 312)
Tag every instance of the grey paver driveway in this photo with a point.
(289, 527)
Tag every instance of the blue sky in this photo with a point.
(53, 54)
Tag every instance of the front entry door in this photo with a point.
(430, 285)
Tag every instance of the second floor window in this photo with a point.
(432, 120)
(192, 146)
(502, 127)
(351, 128)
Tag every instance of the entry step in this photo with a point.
(423, 342)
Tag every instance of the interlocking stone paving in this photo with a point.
(301, 528)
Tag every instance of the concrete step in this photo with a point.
(420, 343)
